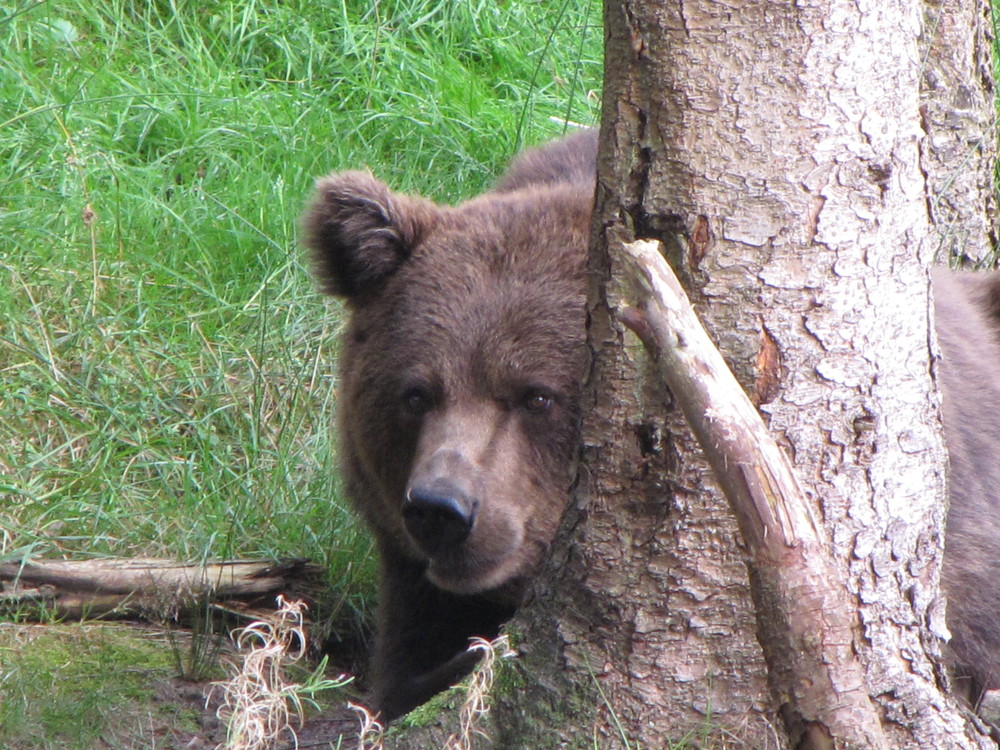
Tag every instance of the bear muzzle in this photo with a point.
(438, 515)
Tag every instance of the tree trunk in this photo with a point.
(776, 152)
(806, 617)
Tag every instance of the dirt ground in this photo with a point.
(336, 727)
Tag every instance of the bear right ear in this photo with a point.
(360, 232)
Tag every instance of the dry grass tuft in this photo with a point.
(258, 700)
(371, 733)
(476, 705)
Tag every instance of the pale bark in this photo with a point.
(774, 149)
(809, 634)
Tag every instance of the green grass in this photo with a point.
(165, 365)
(71, 686)
(167, 369)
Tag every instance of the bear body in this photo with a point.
(461, 374)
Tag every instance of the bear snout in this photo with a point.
(438, 515)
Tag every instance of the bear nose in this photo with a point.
(438, 516)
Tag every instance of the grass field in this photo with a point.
(166, 366)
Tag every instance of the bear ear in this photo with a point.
(359, 231)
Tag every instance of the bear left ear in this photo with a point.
(360, 232)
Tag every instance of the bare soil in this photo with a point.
(184, 701)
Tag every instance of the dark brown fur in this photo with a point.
(462, 363)
(965, 304)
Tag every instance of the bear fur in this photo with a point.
(461, 374)
(967, 313)
(459, 395)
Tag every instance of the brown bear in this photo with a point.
(461, 372)
(459, 391)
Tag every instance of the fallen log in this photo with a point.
(151, 588)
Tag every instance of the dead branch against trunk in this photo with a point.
(805, 615)
(148, 587)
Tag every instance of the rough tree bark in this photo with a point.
(808, 630)
(957, 108)
(776, 150)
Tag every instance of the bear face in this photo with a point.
(459, 388)
(460, 377)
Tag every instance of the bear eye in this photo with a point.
(417, 400)
(536, 401)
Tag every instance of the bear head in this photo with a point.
(460, 368)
